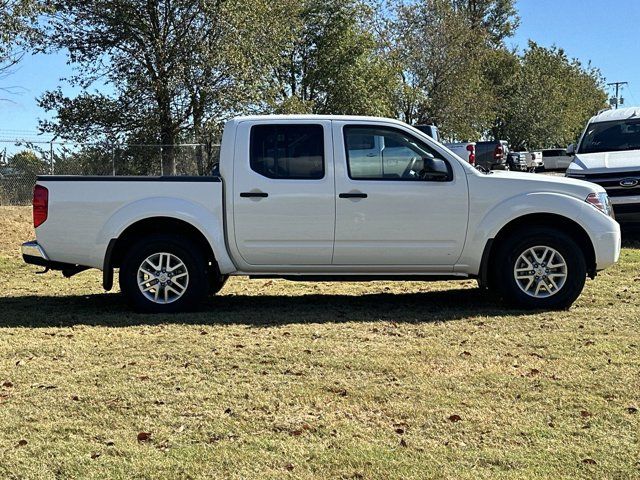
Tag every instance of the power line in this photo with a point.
(617, 100)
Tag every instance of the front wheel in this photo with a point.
(164, 274)
(540, 268)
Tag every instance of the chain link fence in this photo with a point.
(22, 162)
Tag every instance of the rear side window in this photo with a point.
(288, 151)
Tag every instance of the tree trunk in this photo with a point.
(167, 134)
(167, 138)
(197, 133)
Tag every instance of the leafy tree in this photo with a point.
(170, 67)
(440, 59)
(330, 62)
(27, 163)
(17, 19)
(497, 19)
(547, 99)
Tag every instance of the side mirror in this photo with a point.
(435, 168)
(571, 150)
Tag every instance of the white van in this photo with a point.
(609, 154)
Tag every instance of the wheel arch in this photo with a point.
(550, 220)
(151, 226)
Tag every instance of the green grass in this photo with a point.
(282, 380)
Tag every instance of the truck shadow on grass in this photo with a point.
(111, 310)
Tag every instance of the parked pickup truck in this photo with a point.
(609, 154)
(492, 155)
(534, 161)
(326, 198)
(465, 150)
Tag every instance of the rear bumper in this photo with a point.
(34, 254)
(499, 166)
(33, 251)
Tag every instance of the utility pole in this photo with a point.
(617, 100)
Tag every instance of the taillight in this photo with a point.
(472, 154)
(498, 153)
(40, 205)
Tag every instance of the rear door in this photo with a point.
(283, 192)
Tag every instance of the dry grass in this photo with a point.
(276, 379)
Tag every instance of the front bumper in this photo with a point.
(607, 248)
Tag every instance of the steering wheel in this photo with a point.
(409, 169)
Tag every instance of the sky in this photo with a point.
(603, 32)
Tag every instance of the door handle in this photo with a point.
(254, 194)
(353, 195)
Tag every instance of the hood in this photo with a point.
(605, 161)
(522, 182)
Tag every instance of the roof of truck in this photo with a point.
(619, 114)
(313, 117)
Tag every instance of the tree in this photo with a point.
(440, 59)
(170, 66)
(497, 19)
(27, 163)
(17, 19)
(330, 62)
(547, 99)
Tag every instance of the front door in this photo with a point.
(283, 193)
(406, 206)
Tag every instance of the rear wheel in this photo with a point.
(164, 274)
(540, 268)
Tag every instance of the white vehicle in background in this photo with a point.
(534, 161)
(326, 198)
(465, 150)
(609, 154)
(556, 159)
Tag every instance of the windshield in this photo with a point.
(613, 136)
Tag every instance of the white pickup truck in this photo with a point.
(609, 154)
(327, 198)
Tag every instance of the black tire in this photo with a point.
(508, 253)
(181, 248)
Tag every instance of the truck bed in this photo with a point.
(86, 212)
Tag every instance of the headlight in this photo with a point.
(601, 202)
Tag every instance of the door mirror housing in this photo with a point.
(435, 169)
(571, 150)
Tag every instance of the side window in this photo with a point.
(396, 156)
(287, 151)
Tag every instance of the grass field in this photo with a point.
(283, 380)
